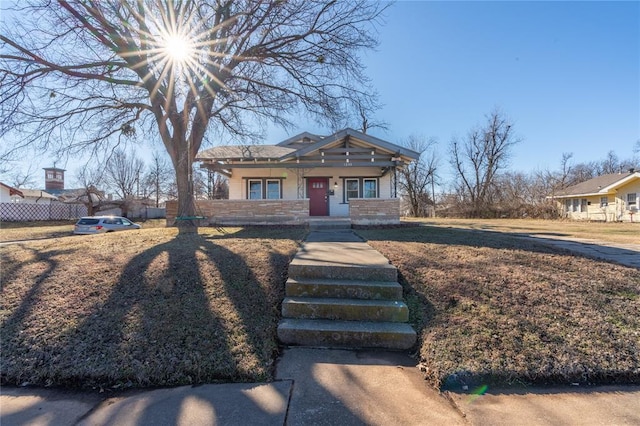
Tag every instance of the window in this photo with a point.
(370, 188)
(264, 188)
(604, 201)
(576, 205)
(255, 189)
(273, 189)
(567, 205)
(632, 199)
(352, 188)
(583, 205)
(50, 175)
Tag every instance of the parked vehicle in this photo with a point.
(102, 224)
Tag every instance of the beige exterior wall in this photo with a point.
(617, 208)
(290, 180)
(293, 207)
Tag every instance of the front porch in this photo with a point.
(376, 211)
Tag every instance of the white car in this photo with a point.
(102, 224)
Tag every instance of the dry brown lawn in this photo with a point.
(143, 308)
(491, 308)
(614, 232)
(20, 231)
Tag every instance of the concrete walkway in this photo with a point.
(623, 254)
(325, 387)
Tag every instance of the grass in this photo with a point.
(148, 308)
(37, 230)
(614, 232)
(143, 308)
(491, 308)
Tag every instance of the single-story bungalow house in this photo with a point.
(611, 197)
(9, 194)
(349, 174)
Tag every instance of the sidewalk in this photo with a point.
(325, 387)
(623, 254)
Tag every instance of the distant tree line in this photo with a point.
(483, 186)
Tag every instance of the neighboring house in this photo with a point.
(35, 196)
(611, 197)
(34, 204)
(9, 194)
(348, 174)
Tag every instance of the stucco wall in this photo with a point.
(238, 186)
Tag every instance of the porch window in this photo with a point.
(583, 205)
(632, 200)
(353, 188)
(255, 189)
(370, 188)
(273, 190)
(604, 201)
(576, 205)
(568, 205)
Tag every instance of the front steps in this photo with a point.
(342, 293)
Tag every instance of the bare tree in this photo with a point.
(478, 159)
(78, 74)
(363, 111)
(157, 178)
(218, 186)
(417, 179)
(611, 164)
(91, 178)
(21, 178)
(123, 173)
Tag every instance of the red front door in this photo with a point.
(317, 191)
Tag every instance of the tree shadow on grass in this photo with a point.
(530, 242)
(186, 311)
(512, 314)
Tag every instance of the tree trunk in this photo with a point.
(186, 202)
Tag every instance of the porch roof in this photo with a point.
(347, 148)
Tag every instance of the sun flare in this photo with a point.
(177, 48)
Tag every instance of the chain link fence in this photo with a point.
(20, 212)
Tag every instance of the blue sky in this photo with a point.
(566, 73)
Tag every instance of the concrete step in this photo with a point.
(372, 290)
(330, 224)
(299, 270)
(345, 309)
(351, 334)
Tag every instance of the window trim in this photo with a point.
(263, 187)
(360, 180)
(346, 189)
(249, 182)
(266, 189)
(604, 201)
(377, 187)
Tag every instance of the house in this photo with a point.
(36, 196)
(610, 197)
(345, 175)
(9, 194)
